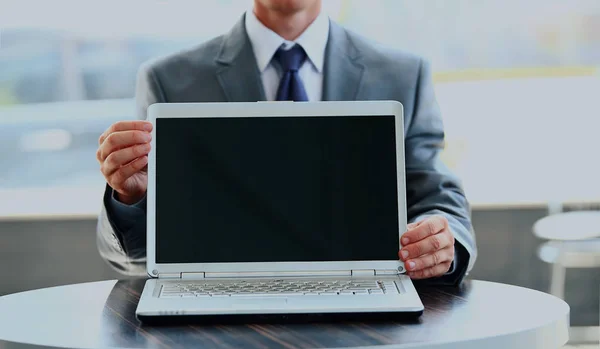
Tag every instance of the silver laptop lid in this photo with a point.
(275, 188)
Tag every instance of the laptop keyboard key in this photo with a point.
(359, 292)
(171, 295)
(219, 294)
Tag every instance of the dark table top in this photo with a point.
(477, 314)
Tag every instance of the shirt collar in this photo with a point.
(266, 42)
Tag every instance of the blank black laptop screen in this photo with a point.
(276, 189)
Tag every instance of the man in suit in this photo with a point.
(290, 50)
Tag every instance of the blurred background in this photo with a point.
(518, 83)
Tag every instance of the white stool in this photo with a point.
(575, 243)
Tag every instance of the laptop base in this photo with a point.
(167, 320)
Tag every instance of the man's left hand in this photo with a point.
(427, 248)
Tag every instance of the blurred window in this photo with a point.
(516, 80)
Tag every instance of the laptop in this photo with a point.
(276, 208)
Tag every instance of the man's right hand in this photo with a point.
(123, 156)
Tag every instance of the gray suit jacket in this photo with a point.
(225, 70)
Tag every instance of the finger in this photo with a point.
(122, 139)
(430, 244)
(432, 272)
(410, 226)
(139, 125)
(123, 156)
(430, 226)
(430, 260)
(118, 178)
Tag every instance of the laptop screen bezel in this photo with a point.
(273, 109)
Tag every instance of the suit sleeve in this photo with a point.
(431, 188)
(121, 231)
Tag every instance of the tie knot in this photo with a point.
(291, 59)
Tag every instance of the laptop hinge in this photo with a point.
(169, 275)
(192, 275)
(357, 272)
(279, 274)
(363, 272)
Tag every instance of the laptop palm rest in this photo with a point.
(250, 303)
(280, 303)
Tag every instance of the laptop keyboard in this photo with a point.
(287, 287)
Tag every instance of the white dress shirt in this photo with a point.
(266, 42)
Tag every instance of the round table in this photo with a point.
(477, 314)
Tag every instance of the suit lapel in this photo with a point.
(342, 72)
(238, 74)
